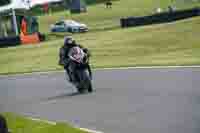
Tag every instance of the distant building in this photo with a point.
(77, 6)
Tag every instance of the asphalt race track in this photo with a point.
(124, 101)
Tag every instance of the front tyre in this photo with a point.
(85, 81)
(90, 89)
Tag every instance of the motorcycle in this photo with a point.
(78, 70)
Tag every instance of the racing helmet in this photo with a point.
(68, 41)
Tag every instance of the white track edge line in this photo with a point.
(40, 120)
(109, 68)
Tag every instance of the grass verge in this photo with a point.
(19, 124)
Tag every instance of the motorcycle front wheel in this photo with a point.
(84, 81)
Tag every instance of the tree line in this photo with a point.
(4, 2)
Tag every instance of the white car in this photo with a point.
(68, 26)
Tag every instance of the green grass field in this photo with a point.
(111, 46)
(99, 18)
(19, 124)
(164, 44)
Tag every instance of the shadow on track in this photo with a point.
(63, 96)
(52, 98)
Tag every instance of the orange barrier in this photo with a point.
(29, 39)
(24, 27)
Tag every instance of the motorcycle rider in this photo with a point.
(64, 60)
